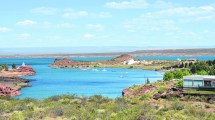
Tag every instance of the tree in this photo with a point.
(185, 72)
(147, 81)
(193, 69)
(168, 76)
(202, 72)
(13, 66)
(190, 64)
(182, 65)
(210, 62)
(178, 74)
(1, 67)
(179, 83)
(5, 67)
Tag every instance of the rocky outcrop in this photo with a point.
(8, 91)
(143, 90)
(173, 92)
(123, 57)
(65, 62)
(10, 83)
(20, 71)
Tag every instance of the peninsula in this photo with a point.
(10, 81)
(122, 61)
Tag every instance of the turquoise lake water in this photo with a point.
(108, 82)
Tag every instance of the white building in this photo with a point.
(129, 62)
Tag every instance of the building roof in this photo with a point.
(199, 77)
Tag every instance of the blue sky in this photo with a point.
(140, 23)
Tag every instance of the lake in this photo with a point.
(108, 82)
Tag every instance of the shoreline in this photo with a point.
(11, 82)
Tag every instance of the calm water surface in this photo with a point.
(107, 82)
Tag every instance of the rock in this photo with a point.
(172, 92)
(7, 91)
(123, 57)
(144, 90)
(63, 62)
(20, 71)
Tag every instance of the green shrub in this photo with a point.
(179, 83)
(177, 106)
(168, 76)
(57, 112)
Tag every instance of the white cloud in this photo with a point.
(75, 14)
(127, 4)
(143, 24)
(169, 19)
(163, 4)
(70, 13)
(97, 27)
(207, 8)
(187, 11)
(4, 29)
(88, 36)
(23, 36)
(63, 25)
(45, 10)
(26, 22)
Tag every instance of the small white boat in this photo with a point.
(104, 70)
(83, 69)
(95, 70)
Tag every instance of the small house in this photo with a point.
(199, 81)
(129, 62)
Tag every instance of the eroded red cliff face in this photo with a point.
(8, 91)
(144, 90)
(10, 83)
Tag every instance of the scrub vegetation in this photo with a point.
(97, 107)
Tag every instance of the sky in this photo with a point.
(139, 23)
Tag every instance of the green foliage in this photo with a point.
(147, 81)
(202, 72)
(178, 74)
(168, 76)
(5, 67)
(200, 67)
(177, 106)
(98, 107)
(13, 66)
(179, 83)
(1, 67)
(185, 72)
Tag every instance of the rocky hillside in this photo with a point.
(65, 62)
(123, 58)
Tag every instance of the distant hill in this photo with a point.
(159, 52)
(171, 52)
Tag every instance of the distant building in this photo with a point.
(129, 62)
(199, 81)
(186, 61)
